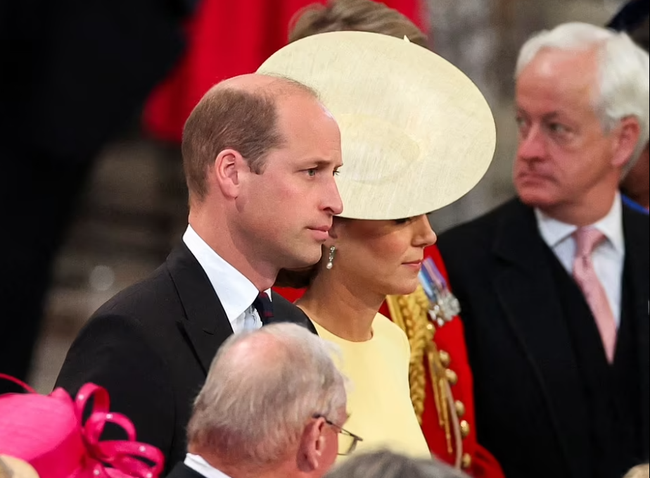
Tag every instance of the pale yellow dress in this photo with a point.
(379, 401)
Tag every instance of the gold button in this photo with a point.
(465, 429)
(461, 410)
(445, 359)
(467, 461)
(431, 327)
(452, 377)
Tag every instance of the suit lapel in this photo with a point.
(205, 322)
(637, 264)
(527, 292)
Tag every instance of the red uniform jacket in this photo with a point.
(449, 338)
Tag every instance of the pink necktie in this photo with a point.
(587, 239)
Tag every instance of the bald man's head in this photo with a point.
(240, 113)
(256, 403)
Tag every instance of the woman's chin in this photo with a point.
(404, 287)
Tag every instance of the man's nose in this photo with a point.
(332, 200)
(532, 146)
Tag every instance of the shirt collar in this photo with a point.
(198, 464)
(236, 293)
(555, 232)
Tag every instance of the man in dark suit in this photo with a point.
(260, 155)
(262, 418)
(554, 284)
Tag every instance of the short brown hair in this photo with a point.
(228, 118)
(354, 15)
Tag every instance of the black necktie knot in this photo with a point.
(264, 307)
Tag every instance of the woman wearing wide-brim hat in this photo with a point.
(417, 135)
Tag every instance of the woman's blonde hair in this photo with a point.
(642, 471)
(354, 15)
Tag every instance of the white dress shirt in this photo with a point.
(234, 290)
(608, 258)
(202, 467)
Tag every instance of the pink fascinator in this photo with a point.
(48, 432)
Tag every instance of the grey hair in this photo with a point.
(642, 471)
(624, 84)
(385, 464)
(262, 389)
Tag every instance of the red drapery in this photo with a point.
(228, 38)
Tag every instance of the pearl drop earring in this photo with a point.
(330, 262)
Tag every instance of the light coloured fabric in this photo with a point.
(198, 464)
(236, 293)
(417, 134)
(379, 402)
(608, 258)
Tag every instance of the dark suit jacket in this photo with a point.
(529, 401)
(151, 347)
(183, 471)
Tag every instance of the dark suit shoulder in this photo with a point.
(183, 471)
(126, 347)
(636, 225)
(141, 300)
(285, 311)
(476, 238)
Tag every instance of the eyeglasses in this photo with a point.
(348, 441)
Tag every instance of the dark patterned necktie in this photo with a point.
(264, 308)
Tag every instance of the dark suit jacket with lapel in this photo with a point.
(529, 402)
(151, 347)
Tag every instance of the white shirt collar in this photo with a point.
(198, 464)
(236, 293)
(555, 232)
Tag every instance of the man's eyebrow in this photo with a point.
(552, 115)
(323, 163)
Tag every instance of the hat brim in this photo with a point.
(417, 134)
(18, 468)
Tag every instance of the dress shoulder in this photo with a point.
(386, 329)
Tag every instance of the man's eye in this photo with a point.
(311, 173)
(558, 128)
(336, 172)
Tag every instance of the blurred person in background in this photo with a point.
(259, 415)
(437, 352)
(554, 284)
(399, 117)
(74, 74)
(385, 464)
(251, 148)
(634, 19)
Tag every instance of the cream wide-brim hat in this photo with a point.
(417, 134)
(17, 468)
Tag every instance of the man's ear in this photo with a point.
(628, 135)
(312, 446)
(227, 172)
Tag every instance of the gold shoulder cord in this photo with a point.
(411, 314)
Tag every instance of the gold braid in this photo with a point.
(411, 314)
